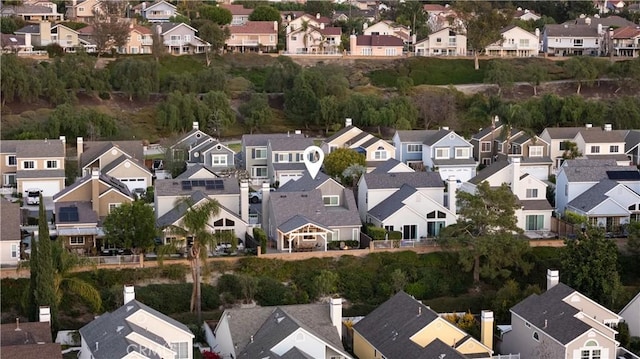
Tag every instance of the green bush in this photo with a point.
(395, 235)
(175, 298)
(12, 293)
(261, 237)
(271, 292)
(376, 233)
(175, 272)
(229, 285)
(334, 245)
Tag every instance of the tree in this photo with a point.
(10, 24)
(398, 280)
(352, 174)
(45, 285)
(590, 266)
(328, 112)
(110, 30)
(256, 112)
(217, 15)
(326, 283)
(221, 116)
(157, 45)
(633, 241)
(486, 234)
(265, 13)
(323, 7)
(412, 14)
(338, 160)
(583, 69)
(500, 72)
(131, 225)
(194, 226)
(536, 74)
(482, 24)
(215, 35)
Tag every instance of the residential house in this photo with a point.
(135, 331)
(561, 323)
(45, 11)
(158, 11)
(239, 14)
(180, 39)
(440, 17)
(33, 164)
(81, 10)
(198, 171)
(609, 6)
(309, 213)
(367, 15)
(255, 156)
(81, 208)
(444, 42)
(10, 235)
(197, 147)
(515, 42)
(531, 149)
(631, 315)
(409, 202)
(285, 159)
(534, 214)
(312, 35)
(526, 15)
(632, 146)
(21, 340)
(375, 150)
(16, 44)
(582, 36)
(626, 41)
(557, 138)
(288, 331)
(403, 327)
(253, 36)
(43, 34)
(388, 27)
(139, 40)
(376, 45)
(442, 150)
(123, 160)
(484, 149)
(603, 143)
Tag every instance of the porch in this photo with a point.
(307, 238)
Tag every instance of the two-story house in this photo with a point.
(197, 147)
(531, 149)
(388, 27)
(312, 35)
(557, 138)
(139, 40)
(632, 146)
(516, 42)
(81, 10)
(631, 315)
(526, 15)
(135, 330)
(597, 143)
(43, 11)
(239, 14)
(285, 159)
(43, 34)
(179, 39)
(81, 207)
(444, 42)
(484, 149)
(309, 213)
(253, 36)
(582, 36)
(255, 156)
(442, 150)
(10, 235)
(561, 323)
(288, 331)
(158, 11)
(403, 327)
(626, 41)
(376, 45)
(33, 164)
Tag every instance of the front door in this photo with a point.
(409, 232)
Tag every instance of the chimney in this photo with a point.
(348, 122)
(80, 147)
(322, 26)
(275, 26)
(600, 29)
(336, 314)
(63, 139)
(317, 15)
(353, 43)
(27, 40)
(553, 278)
(537, 33)
(44, 314)
(588, 125)
(453, 198)
(144, 5)
(608, 127)
(128, 293)
(516, 176)
(265, 205)
(45, 33)
(587, 21)
(297, 132)
(196, 125)
(95, 190)
(365, 26)
(446, 128)
(244, 201)
(486, 328)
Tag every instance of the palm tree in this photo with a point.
(64, 262)
(305, 39)
(194, 225)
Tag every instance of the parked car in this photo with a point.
(33, 196)
(256, 197)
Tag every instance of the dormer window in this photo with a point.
(536, 151)
(331, 200)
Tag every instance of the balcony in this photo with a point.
(146, 42)
(250, 42)
(158, 16)
(175, 43)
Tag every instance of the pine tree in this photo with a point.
(33, 281)
(45, 294)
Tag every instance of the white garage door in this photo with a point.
(49, 188)
(286, 177)
(461, 174)
(539, 172)
(134, 183)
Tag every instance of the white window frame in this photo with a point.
(411, 148)
(254, 171)
(441, 153)
(15, 160)
(333, 200)
(334, 235)
(257, 153)
(355, 234)
(539, 226)
(380, 154)
(113, 206)
(181, 349)
(463, 152)
(595, 149)
(219, 160)
(15, 251)
(366, 51)
(484, 144)
(536, 151)
(76, 241)
(24, 165)
(390, 51)
(614, 147)
(282, 157)
(54, 162)
(532, 193)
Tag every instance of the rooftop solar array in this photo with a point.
(69, 214)
(207, 184)
(623, 175)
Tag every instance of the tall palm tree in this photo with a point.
(194, 225)
(64, 284)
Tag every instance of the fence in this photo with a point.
(386, 244)
(113, 260)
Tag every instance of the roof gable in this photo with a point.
(159, 3)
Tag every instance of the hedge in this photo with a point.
(261, 237)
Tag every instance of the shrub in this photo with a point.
(271, 292)
(175, 298)
(229, 283)
(395, 235)
(261, 237)
(174, 272)
(376, 233)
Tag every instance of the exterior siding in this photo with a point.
(362, 349)
(520, 340)
(111, 197)
(208, 157)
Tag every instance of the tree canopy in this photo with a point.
(131, 226)
(217, 15)
(336, 162)
(265, 13)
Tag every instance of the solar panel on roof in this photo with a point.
(623, 175)
(69, 214)
(186, 185)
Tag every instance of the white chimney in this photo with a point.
(348, 122)
(265, 204)
(317, 15)
(365, 26)
(453, 198)
(486, 328)
(128, 293)
(608, 127)
(515, 180)
(144, 5)
(321, 26)
(244, 201)
(196, 125)
(587, 21)
(275, 26)
(44, 314)
(553, 278)
(63, 139)
(79, 147)
(600, 29)
(446, 128)
(336, 314)
(537, 32)
(27, 40)
(95, 173)
(298, 132)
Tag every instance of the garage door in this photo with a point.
(539, 172)
(49, 188)
(134, 183)
(286, 177)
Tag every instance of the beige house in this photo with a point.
(253, 36)
(239, 14)
(9, 233)
(313, 35)
(43, 11)
(445, 42)
(388, 27)
(626, 41)
(43, 34)
(82, 10)
(516, 42)
(139, 42)
(376, 45)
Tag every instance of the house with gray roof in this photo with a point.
(285, 159)
(570, 39)
(135, 330)
(632, 146)
(403, 327)
(16, 44)
(198, 171)
(255, 156)
(10, 235)
(33, 164)
(288, 331)
(157, 11)
(561, 323)
(180, 39)
(43, 11)
(197, 147)
(631, 315)
(484, 149)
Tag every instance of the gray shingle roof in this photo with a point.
(613, 20)
(261, 140)
(178, 211)
(29, 29)
(109, 330)
(415, 135)
(192, 170)
(563, 132)
(593, 196)
(485, 131)
(632, 140)
(592, 170)
(358, 137)
(33, 148)
(393, 203)
(396, 180)
(617, 157)
(310, 205)
(549, 308)
(94, 149)
(489, 171)
(536, 160)
(289, 166)
(113, 164)
(386, 166)
(290, 144)
(305, 183)
(339, 133)
(536, 205)
(112, 182)
(298, 221)
(30, 333)
(295, 353)
(173, 187)
(571, 30)
(370, 142)
(40, 174)
(86, 214)
(10, 221)
(598, 135)
(431, 140)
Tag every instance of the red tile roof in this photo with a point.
(87, 30)
(378, 40)
(626, 32)
(237, 9)
(254, 27)
(142, 30)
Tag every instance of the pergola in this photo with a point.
(309, 232)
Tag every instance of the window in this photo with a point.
(380, 154)
(414, 148)
(613, 149)
(577, 42)
(438, 40)
(175, 37)
(355, 234)
(260, 153)
(563, 145)
(331, 200)
(595, 149)
(536, 337)
(588, 352)
(388, 228)
(258, 172)
(452, 41)
(532, 193)
(28, 165)
(409, 231)
(14, 251)
(390, 52)
(442, 152)
(366, 51)
(524, 42)
(11, 160)
(80, 9)
(486, 161)
(333, 236)
(536, 151)
(218, 160)
(535, 222)
(113, 206)
(282, 157)
(485, 146)
(463, 152)
(76, 240)
(294, 38)
(272, 38)
(187, 38)
(511, 41)
(181, 349)
(52, 164)
(332, 148)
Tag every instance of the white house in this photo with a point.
(180, 39)
(388, 27)
(631, 315)
(444, 42)
(516, 42)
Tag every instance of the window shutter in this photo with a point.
(253, 153)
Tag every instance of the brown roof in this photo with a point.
(236, 9)
(628, 32)
(10, 220)
(378, 40)
(49, 351)
(433, 7)
(331, 31)
(9, 40)
(597, 135)
(94, 149)
(254, 27)
(28, 333)
(142, 30)
(87, 30)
